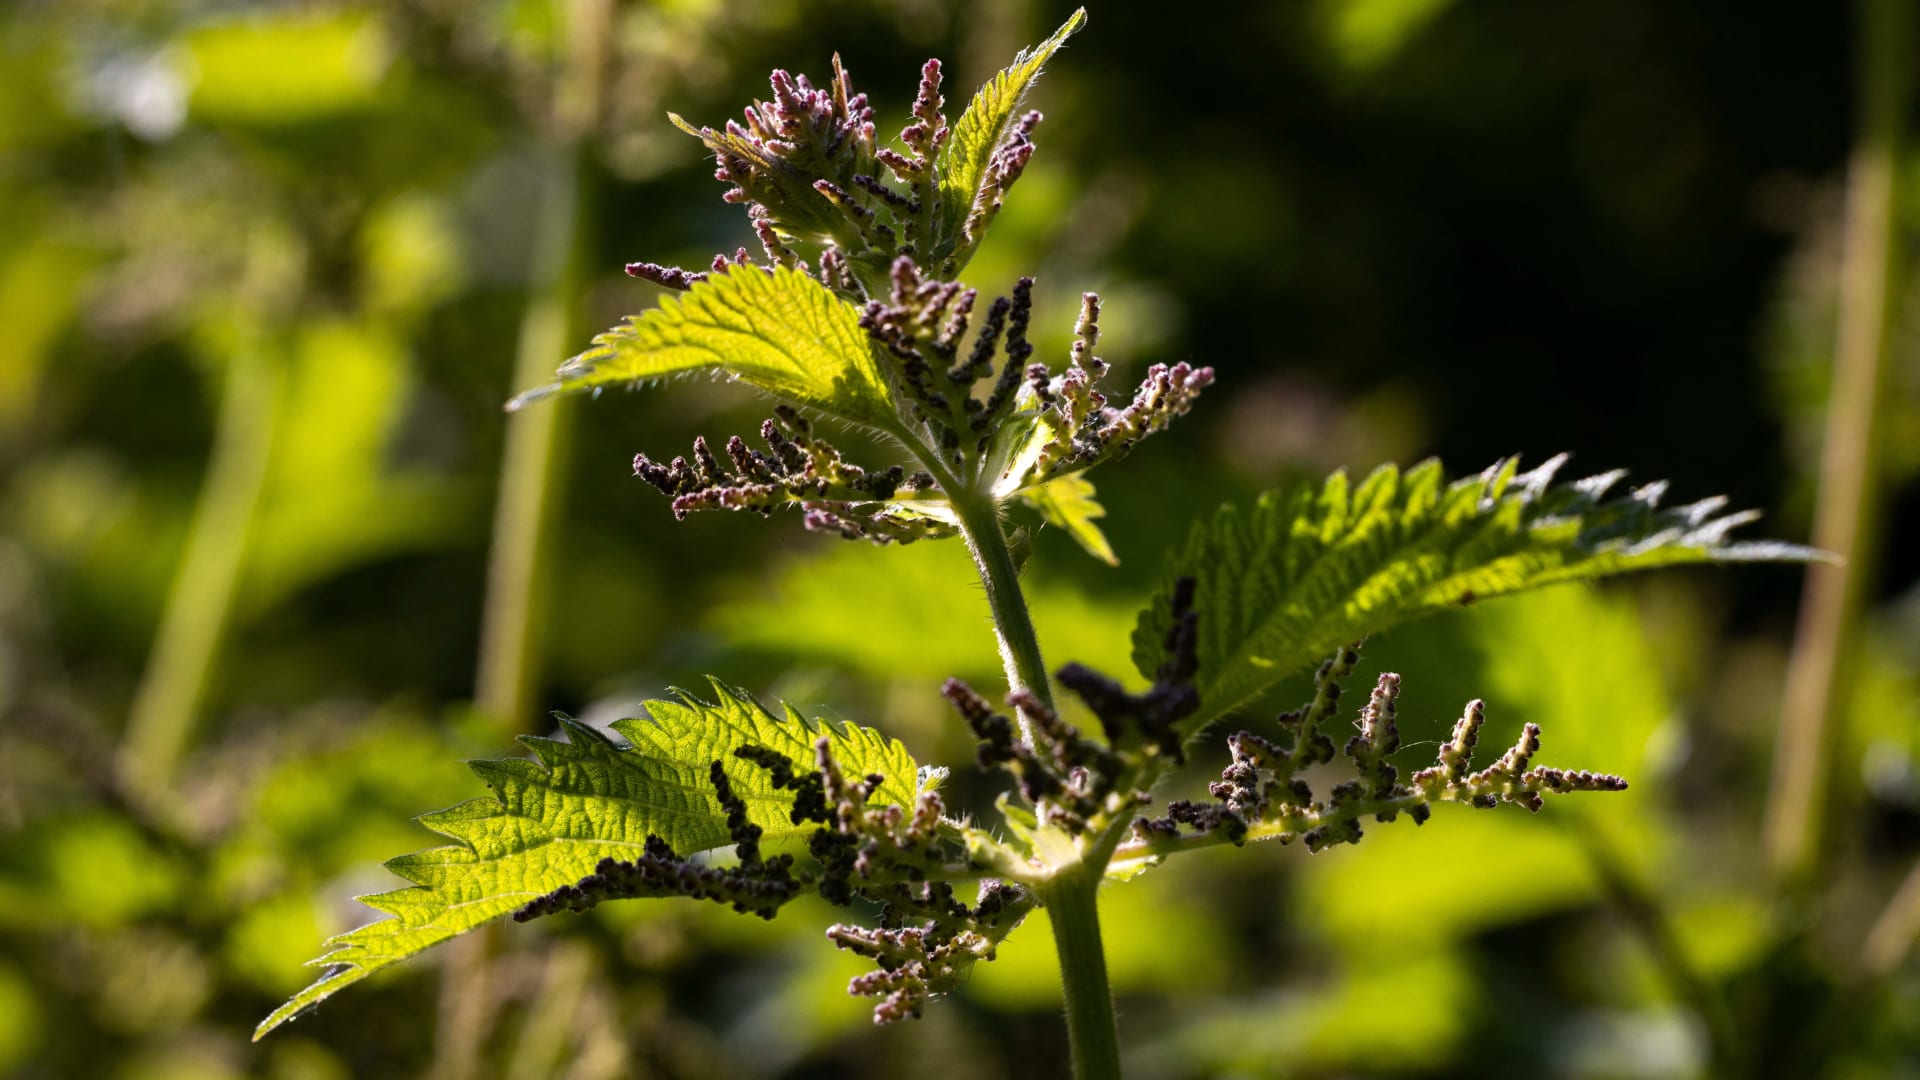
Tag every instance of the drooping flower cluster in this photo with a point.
(983, 407)
(928, 941)
(799, 468)
(1073, 781)
(1261, 794)
(1029, 426)
(1074, 426)
(858, 838)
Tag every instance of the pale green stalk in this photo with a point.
(1019, 647)
(531, 461)
(200, 601)
(529, 498)
(1850, 465)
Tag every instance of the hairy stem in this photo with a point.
(1019, 648)
(200, 601)
(1073, 908)
(1850, 465)
(1071, 896)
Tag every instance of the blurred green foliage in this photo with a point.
(1395, 227)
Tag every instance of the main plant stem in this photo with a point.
(1073, 907)
(1019, 648)
(1071, 895)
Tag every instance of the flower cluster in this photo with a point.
(1261, 794)
(799, 468)
(1072, 781)
(1077, 429)
(986, 411)
(809, 168)
(928, 941)
(920, 325)
(858, 839)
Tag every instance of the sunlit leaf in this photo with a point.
(553, 819)
(982, 128)
(1068, 502)
(782, 332)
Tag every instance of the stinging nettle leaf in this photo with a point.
(552, 819)
(1307, 570)
(962, 165)
(782, 332)
(1068, 502)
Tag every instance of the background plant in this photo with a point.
(1363, 307)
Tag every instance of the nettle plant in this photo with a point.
(855, 314)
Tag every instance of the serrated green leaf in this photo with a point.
(552, 819)
(1068, 502)
(962, 164)
(1307, 570)
(782, 332)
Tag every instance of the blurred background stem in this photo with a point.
(1890, 942)
(173, 687)
(529, 498)
(1643, 913)
(529, 501)
(1851, 469)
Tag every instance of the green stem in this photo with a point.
(1019, 647)
(1071, 896)
(1073, 908)
(160, 725)
(1851, 466)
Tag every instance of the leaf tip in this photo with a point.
(527, 397)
